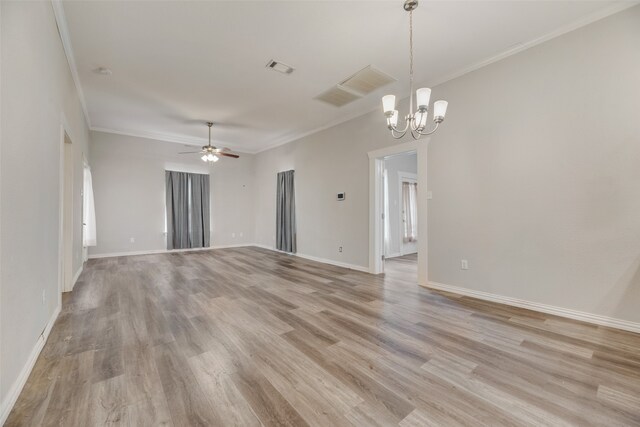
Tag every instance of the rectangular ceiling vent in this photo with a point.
(358, 85)
(337, 96)
(280, 67)
(367, 80)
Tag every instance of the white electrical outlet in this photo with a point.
(241, 234)
(464, 264)
(233, 235)
(132, 239)
(429, 195)
(44, 296)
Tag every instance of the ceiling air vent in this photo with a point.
(367, 80)
(337, 96)
(280, 67)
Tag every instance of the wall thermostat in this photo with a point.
(340, 197)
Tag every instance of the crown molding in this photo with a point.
(301, 135)
(167, 137)
(63, 31)
(617, 7)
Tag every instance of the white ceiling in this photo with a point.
(179, 64)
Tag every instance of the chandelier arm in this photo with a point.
(397, 134)
(406, 126)
(414, 126)
(400, 134)
(435, 128)
(395, 128)
(415, 134)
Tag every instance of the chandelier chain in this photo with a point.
(411, 60)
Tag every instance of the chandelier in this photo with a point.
(416, 121)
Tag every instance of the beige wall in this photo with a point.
(129, 189)
(3, 405)
(534, 175)
(326, 163)
(37, 90)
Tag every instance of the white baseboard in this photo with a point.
(596, 319)
(165, 251)
(317, 259)
(336, 263)
(393, 255)
(16, 388)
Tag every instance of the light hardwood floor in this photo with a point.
(248, 337)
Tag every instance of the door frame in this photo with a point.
(376, 205)
(65, 133)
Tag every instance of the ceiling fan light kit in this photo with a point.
(416, 121)
(210, 158)
(211, 153)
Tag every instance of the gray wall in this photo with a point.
(129, 190)
(37, 88)
(534, 175)
(393, 165)
(326, 163)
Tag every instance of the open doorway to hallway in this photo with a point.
(377, 206)
(400, 186)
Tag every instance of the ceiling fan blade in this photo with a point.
(235, 156)
(191, 152)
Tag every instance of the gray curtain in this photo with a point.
(286, 213)
(177, 187)
(187, 210)
(199, 212)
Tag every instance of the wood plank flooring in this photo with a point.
(250, 337)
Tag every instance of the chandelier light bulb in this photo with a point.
(422, 98)
(204, 158)
(388, 104)
(393, 120)
(215, 158)
(420, 119)
(439, 110)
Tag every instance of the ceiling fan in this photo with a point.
(211, 153)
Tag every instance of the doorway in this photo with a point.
(400, 198)
(377, 217)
